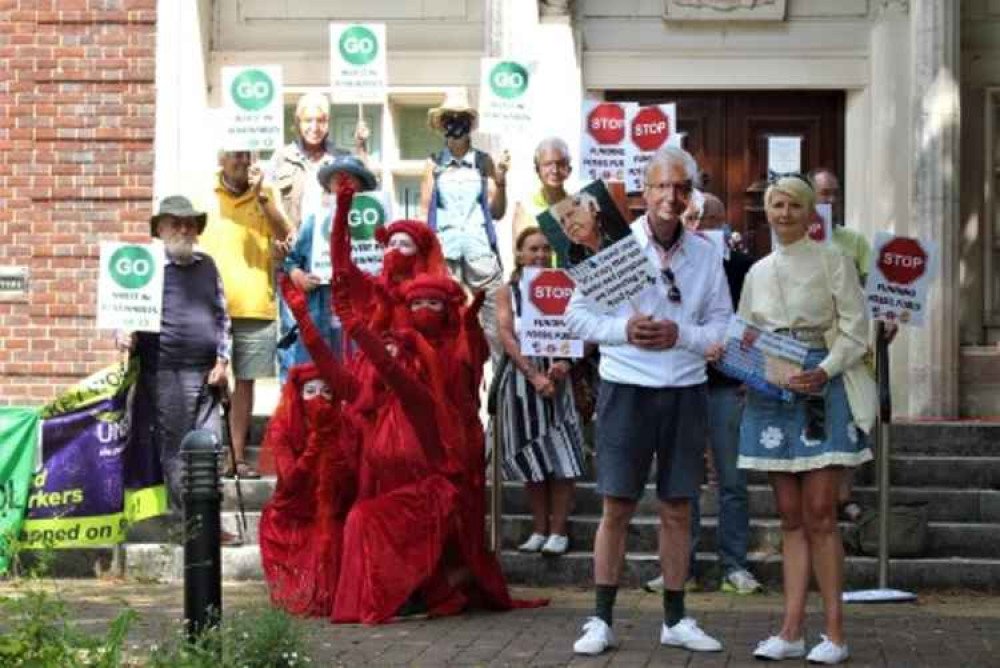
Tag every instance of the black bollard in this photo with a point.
(202, 528)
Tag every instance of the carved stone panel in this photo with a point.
(724, 10)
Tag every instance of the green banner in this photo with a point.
(19, 429)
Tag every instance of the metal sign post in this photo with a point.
(883, 594)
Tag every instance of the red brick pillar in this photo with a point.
(77, 118)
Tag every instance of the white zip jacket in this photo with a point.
(702, 317)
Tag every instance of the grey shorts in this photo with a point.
(254, 345)
(634, 423)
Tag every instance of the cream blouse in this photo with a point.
(807, 285)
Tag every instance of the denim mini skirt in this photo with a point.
(793, 436)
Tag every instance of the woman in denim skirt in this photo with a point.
(810, 292)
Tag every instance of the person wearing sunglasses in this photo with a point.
(808, 291)
(653, 398)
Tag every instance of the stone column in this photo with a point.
(934, 200)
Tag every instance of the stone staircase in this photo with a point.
(952, 467)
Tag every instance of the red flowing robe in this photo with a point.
(301, 527)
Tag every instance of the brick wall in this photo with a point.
(77, 116)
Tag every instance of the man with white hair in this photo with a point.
(653, 397)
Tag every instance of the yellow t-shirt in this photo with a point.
(238, 237)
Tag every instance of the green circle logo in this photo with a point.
(509, 80)
(252, 90)
(132, 267)
(358, 45)
(366, 216)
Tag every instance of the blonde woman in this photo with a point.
(543, 437)
(811, 292)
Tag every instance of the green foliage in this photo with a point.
(267, 638)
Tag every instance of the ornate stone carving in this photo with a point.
(724, 10)
(883, 6)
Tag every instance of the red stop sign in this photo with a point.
(902, 260)
(550, 291)
(650, 128)
(606, 123)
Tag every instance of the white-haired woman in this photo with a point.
(552, 165)
(810, 292)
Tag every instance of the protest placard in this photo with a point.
(369, 211)
(252, 108)
(130, 286)
(506, 96)
(19, 430)
(90, 486)
(582, 224)
(900, 274)
(615, 275)
(543, 332)
(821, 225)
(604, 138)
(649, 129)
(761, 359)
(357, 62)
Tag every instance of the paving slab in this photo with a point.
(960, 629)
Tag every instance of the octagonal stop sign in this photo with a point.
(650, 128)
(606, 123)
(550, 291)
(902, 260)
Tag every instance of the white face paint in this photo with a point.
(315, 388)
(402, 242)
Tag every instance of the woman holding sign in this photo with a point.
(537, 414)
(810, 292)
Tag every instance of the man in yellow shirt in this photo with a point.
(246, 226)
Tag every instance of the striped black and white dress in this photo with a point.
(543, 438)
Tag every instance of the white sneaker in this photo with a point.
(828, 652)
(556, 545)
(655, 586)
(777, 648)
(596, 638)
(741, 581)
(686, 634)
(533, 544)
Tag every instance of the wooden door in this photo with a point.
(727, 133)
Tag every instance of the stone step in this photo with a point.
(937, 471)
(944, 539)
(951, 439)
(165, 562)
(943, 504)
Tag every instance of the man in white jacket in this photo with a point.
(653, 397)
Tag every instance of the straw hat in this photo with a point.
(455, 103)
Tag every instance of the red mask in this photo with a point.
(428, 322)
(395, 263)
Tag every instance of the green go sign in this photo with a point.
(358, 45)
(367, 215)
(252, 90)
(132, 267)
(508, 80)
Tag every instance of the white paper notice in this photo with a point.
(357, 62)
(252, 108)
(130, 286)
(784, 154)
(506, 96)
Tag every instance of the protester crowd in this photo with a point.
(377, 441)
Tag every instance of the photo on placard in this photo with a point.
(583, 224)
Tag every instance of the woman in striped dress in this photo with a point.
(543, 438)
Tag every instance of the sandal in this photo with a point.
(245, 471)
